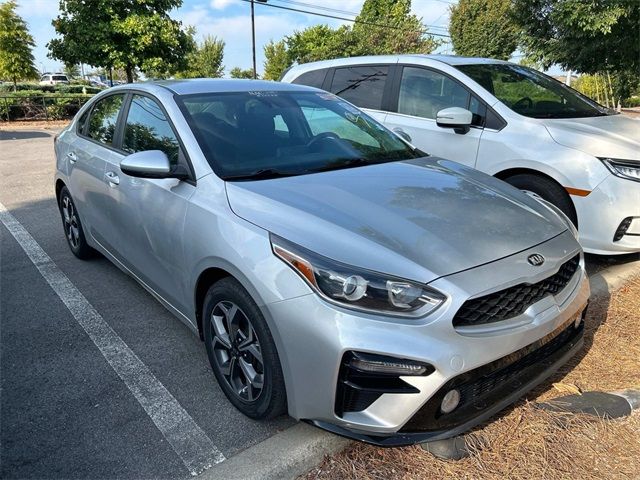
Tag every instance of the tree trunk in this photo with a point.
(15, 84)
(129, 70)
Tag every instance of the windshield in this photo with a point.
(531, 93)
(265, 134)
(60, 78)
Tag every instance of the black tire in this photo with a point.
(73, 227)
(234, 359)
(548, 189)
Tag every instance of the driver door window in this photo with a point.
(423, 93)
(148, 129)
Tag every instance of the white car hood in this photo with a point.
(613, 136)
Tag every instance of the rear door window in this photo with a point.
(104, 115)
(361, 85)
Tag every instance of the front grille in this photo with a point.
(512, 301)
(481, 388)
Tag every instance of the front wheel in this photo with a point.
(242, 352)
(548, 189)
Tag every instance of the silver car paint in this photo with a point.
(417, 220)
(181, 229)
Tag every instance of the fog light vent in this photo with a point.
(622, 229)
(450, 401)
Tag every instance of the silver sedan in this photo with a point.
(333, 271)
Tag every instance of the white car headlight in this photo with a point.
(355, 287)
(628, 169)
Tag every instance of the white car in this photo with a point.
(54, 79)
(509, 121)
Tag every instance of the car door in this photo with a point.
(363, 85)
(420, 94)
(88, 153)
(151, 212)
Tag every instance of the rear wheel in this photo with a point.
(242, 352)
(548, 189)
(73, 227)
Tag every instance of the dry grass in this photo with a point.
(528, 443)
(29, 124)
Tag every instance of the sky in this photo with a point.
(231, 21)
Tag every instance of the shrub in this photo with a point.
(631, 102)
(30, 104)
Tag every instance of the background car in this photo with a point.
(330, 268)
(509, 121)
(54, 79)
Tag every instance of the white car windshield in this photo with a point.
(266, 134)
(531, 93)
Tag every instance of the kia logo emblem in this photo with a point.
(536, 259)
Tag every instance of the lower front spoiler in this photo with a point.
(555, 361)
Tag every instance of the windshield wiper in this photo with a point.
(343, 163)
(262, 174)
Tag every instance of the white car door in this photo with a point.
(422, 93)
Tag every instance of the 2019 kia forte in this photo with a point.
(332, 270)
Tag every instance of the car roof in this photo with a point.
(218, 85)
(407, 58)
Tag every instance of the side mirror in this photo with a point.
(455, 117)
(148, 164)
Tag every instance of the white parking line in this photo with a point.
(192, 445)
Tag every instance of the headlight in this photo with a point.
(558, 212)
(355, 287)
(623, 168)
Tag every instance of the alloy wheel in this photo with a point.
(71, 227)
(237, 351)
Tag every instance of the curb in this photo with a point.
(286, 454)
(613, 277)
(298, 449)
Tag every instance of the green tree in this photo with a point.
(206, 60)
(125, 34)
(237, 72)
(483, 28)
(585, 36)
(16, 43)
(319, 42)
(389, 27)
(382, 27)
(276, 60)
(71, 70)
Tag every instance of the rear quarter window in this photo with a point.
(314, 78)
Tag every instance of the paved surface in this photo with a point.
(65, 412)
(70, 408)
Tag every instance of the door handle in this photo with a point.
(112, 178)
(72, 157)
(401, 133)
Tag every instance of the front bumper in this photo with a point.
(314, 337)
(601, 213)
(486, 391)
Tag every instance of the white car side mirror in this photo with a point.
(455, 117)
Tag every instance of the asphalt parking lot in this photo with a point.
(66, 411)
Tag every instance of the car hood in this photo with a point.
(420, 219)
(613, 136)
